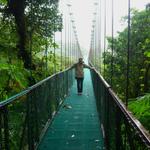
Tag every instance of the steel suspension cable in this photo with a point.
(105, 3)
(54, 59)
(46, 51)
(70, 40)
(61, 48)
(31, 44)
(68, 24)
(112, 46)
(100, 40)
(94, 41)
(72, 47)
(95, 45)
(65, 40)
(128, 52)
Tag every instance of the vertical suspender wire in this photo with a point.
(92, 48)
(71, 40)
(67, 52)
(73, 47)
(46, 47)
(29, 102)
(104, 36)
(68, 38)
(61, 48)
(91, 59)
(77, 50)
(93, 44)
(128, 63)
(95, 41)
(70, 44)
(112, 46)
(54, 50)
(76, 47)
(128, 52)
(90, 54)
(96, 44)
(46, 51)
(75, 58)
(100, 57)
(31, 42)
(65, 41)
(72, 52)
(61, 11)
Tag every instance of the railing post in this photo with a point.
(1, 130)
(36, 120)
(29, 123)
(107, 123)
(57, 92)
(118, 131)
(130, 140)
(6, 128)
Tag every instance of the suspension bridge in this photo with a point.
(50, 115)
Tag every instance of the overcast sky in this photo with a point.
(83, 14)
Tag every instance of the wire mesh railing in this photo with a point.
(120, 129)
(25, 116)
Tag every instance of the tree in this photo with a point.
(25, 25)
(139, 56)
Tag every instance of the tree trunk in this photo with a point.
(17, 9)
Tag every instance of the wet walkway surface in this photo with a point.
(76, 125)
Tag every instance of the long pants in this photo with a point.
(79, 84)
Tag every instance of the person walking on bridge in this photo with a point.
(79, 74)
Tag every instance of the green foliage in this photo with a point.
(41, 20)
(26, 53)
(139, 74)
(141, 109)
(3, 2)
(43, 17)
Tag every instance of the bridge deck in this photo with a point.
(76, 126)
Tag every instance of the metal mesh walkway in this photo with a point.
(76, 126)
